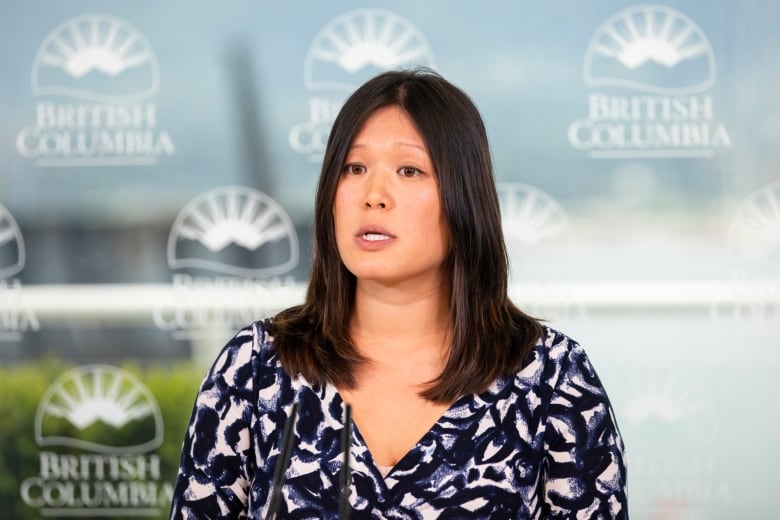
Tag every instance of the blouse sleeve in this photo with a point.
(216, 461)
(586, 472)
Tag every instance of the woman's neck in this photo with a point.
(388, 322)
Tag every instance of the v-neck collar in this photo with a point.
(462, 408)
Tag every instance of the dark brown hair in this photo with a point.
(490, 337)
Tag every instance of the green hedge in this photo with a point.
(22, 387)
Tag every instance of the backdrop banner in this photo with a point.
(158, 163)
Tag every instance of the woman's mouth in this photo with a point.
(374, 237)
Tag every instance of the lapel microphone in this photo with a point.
(283, 461)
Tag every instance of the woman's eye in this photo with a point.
(409, 171)
(354, 169)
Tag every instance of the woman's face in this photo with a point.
(390, 228)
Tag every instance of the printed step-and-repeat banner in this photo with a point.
(158, 162)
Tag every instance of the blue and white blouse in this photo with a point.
(543, 444)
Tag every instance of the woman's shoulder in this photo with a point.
(247, 354)
(554, 342)
(248, 370)
(555, 356)
(253, 339)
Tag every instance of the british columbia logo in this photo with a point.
(754, 234)
(97, 427)
(533, 221)
(94, 77)
(345, 53)
(530, 218)
(754, 245)
(11, 245)
(231, 237)
(649, 69)
(16, 317)
(665, 410)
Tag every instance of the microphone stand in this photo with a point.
(346, 442)
(283, 461)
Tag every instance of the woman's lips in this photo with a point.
(373, 238)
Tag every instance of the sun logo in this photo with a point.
(665, 403)
(96, 57)
(529, 218)
(100, 402)
(661, 406)
(651, 48)
(11, 245)
(358, 45)
(755, 230)
(529, 215)
(234, 230)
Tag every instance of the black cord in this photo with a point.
(282, 461)
(346, 443)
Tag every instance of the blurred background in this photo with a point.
(158, 162)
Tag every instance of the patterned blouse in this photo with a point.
(543, 444)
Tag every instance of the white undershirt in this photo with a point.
(384, 470)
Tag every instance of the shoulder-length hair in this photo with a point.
(490, 336)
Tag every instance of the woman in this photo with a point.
(463, 406)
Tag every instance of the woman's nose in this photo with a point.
(378, 194)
